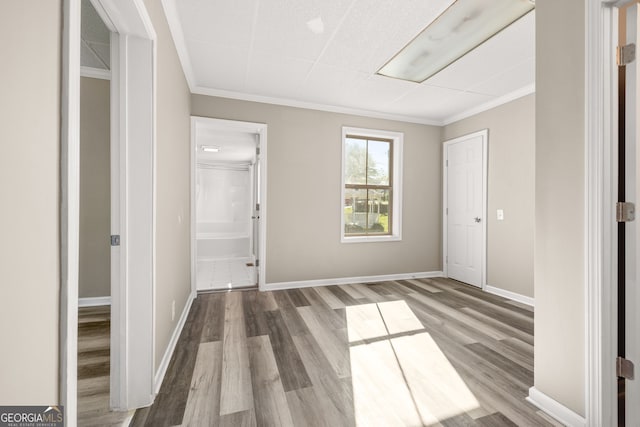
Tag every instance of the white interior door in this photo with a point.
(632, 231)
(465, 207)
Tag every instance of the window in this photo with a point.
(371, 190)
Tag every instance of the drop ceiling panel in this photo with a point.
(328, 52)
(218, 66)
(328, 84)
(437, 103)
(359, 39)
(277, 77)
(224, 22)
(378, 90)
(281, 27)
(508, 81)
(512, 46)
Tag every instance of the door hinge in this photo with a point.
(624, 368)
(625, 212)
(626, 54)
(115, 240)
(257, 206)
(257, 151)
(257, 263)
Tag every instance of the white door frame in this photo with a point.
(601, 188)
(445, 202)
(133, 137)
(231, 125)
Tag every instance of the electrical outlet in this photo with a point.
(500, 215)
(173, 310)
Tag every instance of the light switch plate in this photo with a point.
(500, 215)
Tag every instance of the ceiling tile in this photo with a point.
(377, 90)
(225, 22)
(512, 46)
(259, 48)
(509, 80)
(276, 77)
(218, 66)
(327, 84)
(281, 27)
(436, 103)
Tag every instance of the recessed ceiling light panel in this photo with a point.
(465, 25)
(210, 148)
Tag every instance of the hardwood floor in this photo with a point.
(93, 369)
(429, 352)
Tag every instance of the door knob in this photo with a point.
(477, 219)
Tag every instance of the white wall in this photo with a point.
(511, 187)
(30, 31)
(303, 193)
(560, 177)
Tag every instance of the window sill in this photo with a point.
(370, 239)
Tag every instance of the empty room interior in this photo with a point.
(306, 213)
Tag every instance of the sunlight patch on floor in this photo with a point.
(408, 373)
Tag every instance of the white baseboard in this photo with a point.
(510, 295)
(94, 301)
(555, 409)
(350, 280)
(164, 364)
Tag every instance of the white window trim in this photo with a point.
(396, 220)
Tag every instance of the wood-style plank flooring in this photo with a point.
(428, 352)
(94, 325)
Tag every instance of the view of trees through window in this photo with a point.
(367, 186)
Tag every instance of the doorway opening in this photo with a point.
(94, 276)
(227, 204)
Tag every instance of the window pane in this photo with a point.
(366, 211)
(355, 161)
(355, 211)
(378, 165)
(378, 207)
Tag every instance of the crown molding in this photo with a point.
(512, 96)
(199, 90)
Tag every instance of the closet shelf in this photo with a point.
(212, 236)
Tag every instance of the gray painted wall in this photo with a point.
(511, 187)
(560, 177)
(303, 193)
(95, 204)
(173, 215)
(29, 188)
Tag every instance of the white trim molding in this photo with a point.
(69, 208)
(555, 409)
(166, 358)
(94, 301)
(95, 73)
(601, 172)
(261, 129)
(396, 184)
(510, 295)
(350, 280)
